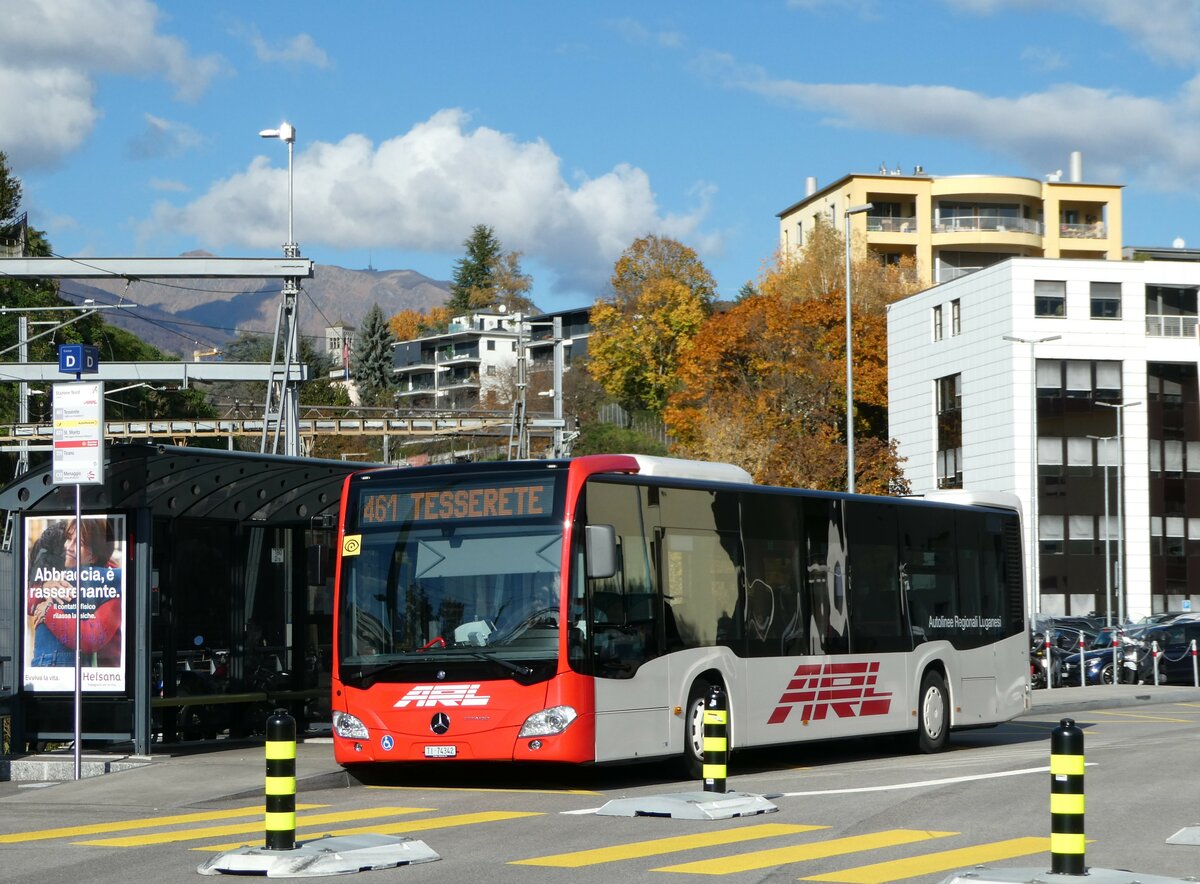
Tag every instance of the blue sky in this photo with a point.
(570, 128)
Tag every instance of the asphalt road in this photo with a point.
(860, 811)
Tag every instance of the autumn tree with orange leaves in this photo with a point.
(763, 385)
(661, 296)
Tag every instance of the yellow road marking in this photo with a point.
(764, 859)
(499, 791)
(656, 846)
(881, 873)
(1141, 716)
(319, 819)
(145, 823)
(444, 822)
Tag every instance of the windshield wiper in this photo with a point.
(366, 679)
(507, 664)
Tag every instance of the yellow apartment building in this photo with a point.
(954, 224)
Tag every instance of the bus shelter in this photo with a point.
(206, 595)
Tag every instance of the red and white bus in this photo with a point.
(579, 610)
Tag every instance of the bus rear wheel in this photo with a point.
(933, 713)
(692, 759)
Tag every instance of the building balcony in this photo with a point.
(988, 224)
(890, 224)
(1097, 230)
(1160, 326)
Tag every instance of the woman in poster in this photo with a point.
(51, 602)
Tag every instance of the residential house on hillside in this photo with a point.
(476, 361)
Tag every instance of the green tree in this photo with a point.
(371, 359)
(661, 296)
(473, 273)
(597, 438)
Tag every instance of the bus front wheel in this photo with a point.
(933, 713)
(692, 761)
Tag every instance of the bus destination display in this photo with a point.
(472, 502)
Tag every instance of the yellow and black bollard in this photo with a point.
(281, 782)
(1066, 800)
(716, 740)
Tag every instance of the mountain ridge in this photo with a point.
(180, 316)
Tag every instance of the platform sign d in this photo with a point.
(78, 359)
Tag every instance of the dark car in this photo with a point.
(1049, 649)
(1100, 665)
(1175, 662)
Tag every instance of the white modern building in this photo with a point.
(475, 363)
(1046, 378)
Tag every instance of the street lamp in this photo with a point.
(1035, 589)
(287, 327)
(287, 134)
(1107, 536)
(852, 210)
(1119, 408)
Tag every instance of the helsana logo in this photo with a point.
(845, 689)
(428, 695)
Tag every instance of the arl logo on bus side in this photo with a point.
(845, 689)
(426, 695)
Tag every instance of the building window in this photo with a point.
(949, 432)
(1050, 535)
(1082, 533)
(1106, 300)
(491, 344)
(937, 322)
(491, 371)
(1050, 455)
(1050, 298)
(1077, 379)
(955, 317)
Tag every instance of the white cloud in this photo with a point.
(426, 189)
(1165, 29)
(1124, 137)
(300, 49)
(1043, 59)
(167, 185)
(46, 102)
(163, 138)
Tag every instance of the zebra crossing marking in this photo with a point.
(674, 844)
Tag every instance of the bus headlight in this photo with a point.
(346, 725)
(548, 722)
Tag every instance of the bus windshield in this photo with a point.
(428, 583)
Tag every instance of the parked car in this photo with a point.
(1100, 665)
(1049, 649)
(1174, 641)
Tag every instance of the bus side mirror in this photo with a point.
(601, 551)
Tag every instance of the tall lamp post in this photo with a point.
(1107, 536)
(288, 326)
(1035, 589)
(852, 210)
(1119, 408)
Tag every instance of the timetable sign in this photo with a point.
(79, 433)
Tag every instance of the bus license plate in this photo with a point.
(441, 751)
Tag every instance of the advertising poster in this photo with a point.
(50, 603)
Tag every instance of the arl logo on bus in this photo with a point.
(426, 695)
(845, 689)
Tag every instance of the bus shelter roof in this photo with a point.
(196, 483)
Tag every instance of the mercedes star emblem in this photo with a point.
(440, 723)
